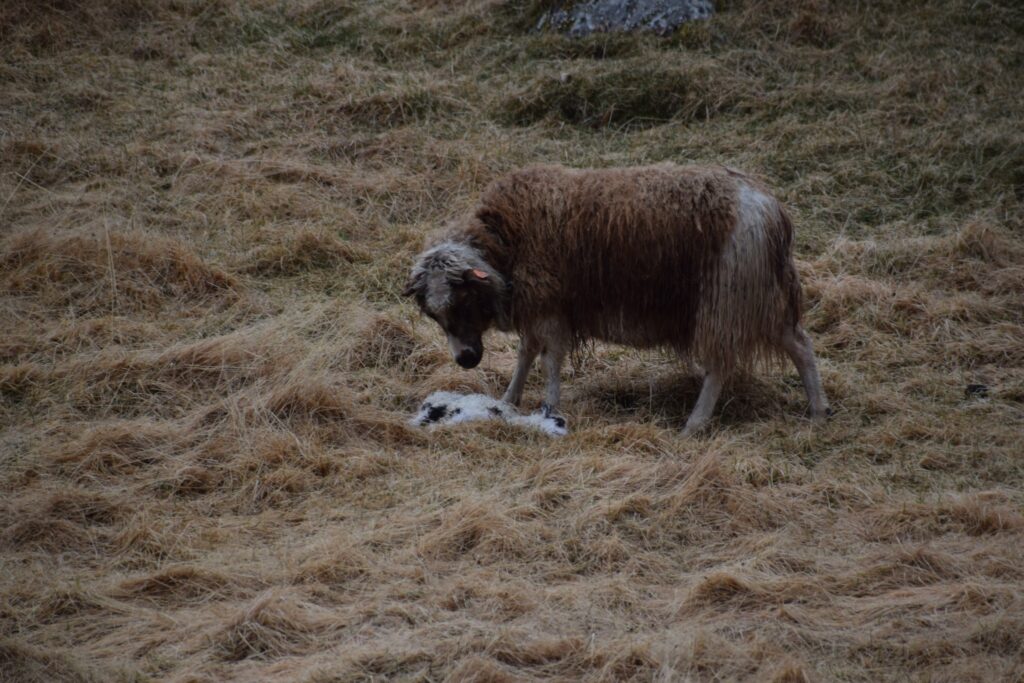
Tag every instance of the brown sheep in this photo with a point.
(693, 259)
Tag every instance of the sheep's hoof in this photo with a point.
(821, 416)
(693, 430)
(548, 411)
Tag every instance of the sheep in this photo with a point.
(697, 260)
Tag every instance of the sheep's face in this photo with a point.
(468, 314)
(457, 296)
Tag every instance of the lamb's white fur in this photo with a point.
(472, 407)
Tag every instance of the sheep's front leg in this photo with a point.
(709, 392)
(528, 350)
(552, 358)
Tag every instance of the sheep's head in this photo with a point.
(461, 292)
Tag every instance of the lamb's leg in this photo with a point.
(798, 346)
(552, 358)
(709, 392)
(528, 350)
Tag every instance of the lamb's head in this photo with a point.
(461, 292)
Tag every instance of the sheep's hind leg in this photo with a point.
(800, 349)
(709, 393)
(528, 350)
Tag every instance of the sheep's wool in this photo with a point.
(443, 408)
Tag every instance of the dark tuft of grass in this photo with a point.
(630, 94)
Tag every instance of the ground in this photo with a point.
(208, 210)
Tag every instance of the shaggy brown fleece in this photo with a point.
(638, 256)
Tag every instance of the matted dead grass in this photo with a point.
(207, 211)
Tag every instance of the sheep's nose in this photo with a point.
(468, 358)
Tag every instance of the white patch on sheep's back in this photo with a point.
(443, 408)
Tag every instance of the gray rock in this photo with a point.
(596, 16)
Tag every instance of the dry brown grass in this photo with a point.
(206, 214)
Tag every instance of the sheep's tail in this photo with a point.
(789, 279)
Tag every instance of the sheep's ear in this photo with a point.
(411, 287)
(475, 275)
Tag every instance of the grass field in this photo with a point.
(207, 212)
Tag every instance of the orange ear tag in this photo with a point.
(479, 274)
